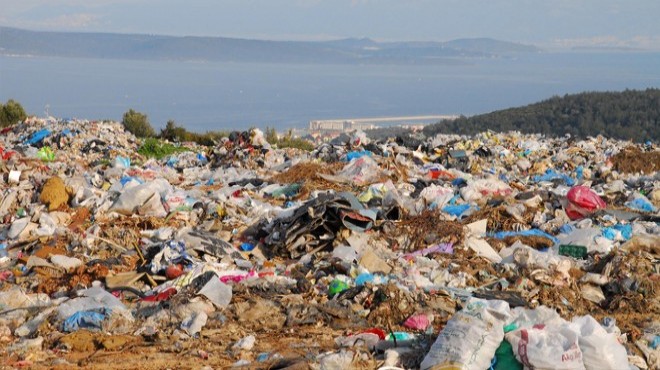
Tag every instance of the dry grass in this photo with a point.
(633, 160)
(498, 218)
(306, 174)
(428, 228)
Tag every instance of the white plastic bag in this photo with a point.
(542, 315)
(547, 347)
(485, 188)
(144, 199)
(470, 338)
(601, 350)
(437, 195)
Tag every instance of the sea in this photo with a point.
(208, 96)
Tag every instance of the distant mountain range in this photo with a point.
(15, 41)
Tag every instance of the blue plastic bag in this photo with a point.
(551, 175)
(566, 228)
(357, 154)
(611, 232)
(122, 162)
(456, 210)
(84, 320)
(38, 137)
(640, 203)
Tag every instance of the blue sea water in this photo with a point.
(218, 96)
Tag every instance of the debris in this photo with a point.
(54, 194)
(541, 252)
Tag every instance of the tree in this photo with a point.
(137, 124)
(621, 115)
(11, 113)
(173, 132)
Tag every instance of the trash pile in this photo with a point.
(497, 251)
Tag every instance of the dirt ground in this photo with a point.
(213, 349)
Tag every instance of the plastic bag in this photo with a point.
(144, 199)
(84, 320)
(601, 350)
(122, 162)
(582, 201)
(38, 137)
(485, 188)
(551, 174)
(641, 203)
(359, 171)
(470, 338)
(46, 154)
(547, 347)
(357, 154)
(437, 195)
(504, 357)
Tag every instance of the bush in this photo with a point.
(176, 133)
(295, 142)
(11, 113)
(210, 138)
(271, 135)
(137, 124)
(287, 141)
(173, 132)
(154, 148)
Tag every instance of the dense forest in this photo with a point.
(631, 114)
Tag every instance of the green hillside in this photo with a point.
(630, 114)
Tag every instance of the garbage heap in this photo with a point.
(497, 251)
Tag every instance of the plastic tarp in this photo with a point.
(38, 137)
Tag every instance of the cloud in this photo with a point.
(80, 20)
(75, 21)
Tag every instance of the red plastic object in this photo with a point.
(442, 175)
(583, 201)
(173, 271)
(380, 333)
(162, 296)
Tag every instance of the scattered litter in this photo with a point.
(502, 251)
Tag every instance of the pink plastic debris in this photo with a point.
(417, 322)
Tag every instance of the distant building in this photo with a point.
(338, 126)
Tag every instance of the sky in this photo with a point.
(546, 23)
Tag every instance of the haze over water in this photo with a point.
(218, 96)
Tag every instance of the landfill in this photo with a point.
(493, 251)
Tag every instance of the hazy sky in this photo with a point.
(547, 23)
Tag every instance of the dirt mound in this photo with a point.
(633, 160)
